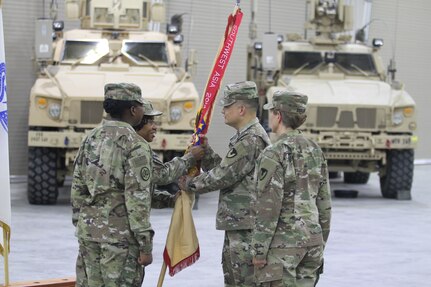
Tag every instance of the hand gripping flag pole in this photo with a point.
(182, 246)
(5, 208)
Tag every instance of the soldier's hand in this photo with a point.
(204, 141)
(259, 263)
(145, 259)
(198, 152)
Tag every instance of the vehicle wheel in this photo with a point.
(356, 177)
(42, 176)
(399, 173)
(334, 174)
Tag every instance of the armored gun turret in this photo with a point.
(115, 43)
(363, 119)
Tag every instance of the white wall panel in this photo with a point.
(204, 32)
(405, 27)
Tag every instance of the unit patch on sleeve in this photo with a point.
(145, 173)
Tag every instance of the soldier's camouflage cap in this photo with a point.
(123, 92)
(149, 110)
(246, 90)
(288, 101)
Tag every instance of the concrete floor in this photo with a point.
(373, 242)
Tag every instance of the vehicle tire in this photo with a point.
(356, 177)
(399, 173)
(42, 175)
(334, 174)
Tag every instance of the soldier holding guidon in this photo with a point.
(293, 204)
(165, 173)
(233, 176)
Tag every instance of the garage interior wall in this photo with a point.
(402, 24)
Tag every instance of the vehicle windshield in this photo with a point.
(356, 63)
(301, 61)
(84, 52)
(145, 53)
(308, 62)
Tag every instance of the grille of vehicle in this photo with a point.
(331, 117)
(91, 112)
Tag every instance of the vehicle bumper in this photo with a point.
(70, 139)
(363, 141)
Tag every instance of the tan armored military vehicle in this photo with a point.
(115, 44)
(362, 118)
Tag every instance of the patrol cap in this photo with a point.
(288, 101)
(123, 92)
(149, 110)
(246, 90)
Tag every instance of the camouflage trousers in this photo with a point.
(236, 259)
(293, 267)
(108, 265)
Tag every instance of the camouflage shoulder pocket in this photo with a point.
(236, 153)
(266, 170)
(269, 273)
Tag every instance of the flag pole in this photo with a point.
(6, 254)
(162, 275)
(202, 123)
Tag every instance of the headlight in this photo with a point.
(54, 110)
(41, 102)
(175, 114)
(188, 106)
(397, 118)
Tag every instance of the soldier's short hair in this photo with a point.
(116, 108)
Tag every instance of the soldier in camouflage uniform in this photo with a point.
(293, 202)
(233, 176)
(111, 195)
(165, 173)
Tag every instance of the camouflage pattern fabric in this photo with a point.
(108, 265)
(246, 90)
(234, 177)
(123, 92)
(165, 173)
(237, 259)
(290, 267)
(293, 207)
(111, 189)
(288, 101)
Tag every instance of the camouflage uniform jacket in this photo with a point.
(293, 204)
(165, 173)
(111, 187)
(233, 175)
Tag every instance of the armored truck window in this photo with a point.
(301, 61)
(145, 53)
(84, 52)
(356, 63)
